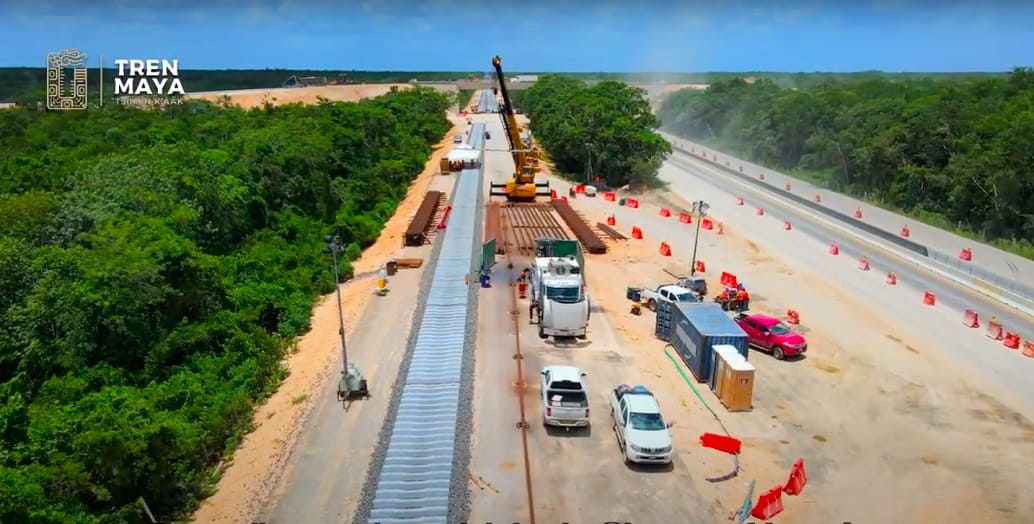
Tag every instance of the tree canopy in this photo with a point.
(154, 266)
(607, 129)
(954, 153)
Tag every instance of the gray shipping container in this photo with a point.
(697, 328)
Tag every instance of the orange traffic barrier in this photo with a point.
(611, 221)
(443, 223)
(1012, 341)
(665, 212)
(637, 233)
(739, 201)
(761, 211)
(834, 249)
(966, 255)
(818, 198)
(552, 193)
(892, 279)
(994, 330)
(609, 196)
(701, 266)
(580, 188)
(863, 263)
(706, 223)
(761, 176)
(905, 231)
(787, 226)
(858, 212)
(787, 186)
(770, 504)
(798, 478)
(665, 249)
(970, 318)
(792, 316)
(685, 218)
(729, 445)
(929, 298)
(1028, 348)
(727, 279)
(719, 230)
(632, 203)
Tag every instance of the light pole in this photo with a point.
(588, 165)
(699, 210)
(334, 247)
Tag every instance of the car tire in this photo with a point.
(651, 305)
(777, 352)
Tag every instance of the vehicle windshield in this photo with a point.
(646, 421)
(566, 295)
(780, 329)
(685, 297)
(566, 398)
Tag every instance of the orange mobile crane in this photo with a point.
(521, 187)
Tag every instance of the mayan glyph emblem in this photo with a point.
(66, 80)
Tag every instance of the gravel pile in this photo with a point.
(459, 492)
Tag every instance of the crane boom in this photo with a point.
(521, 162)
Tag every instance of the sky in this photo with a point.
(531, 36)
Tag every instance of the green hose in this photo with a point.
(685, 377)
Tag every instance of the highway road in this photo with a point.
(807, 246)
(1006, 270)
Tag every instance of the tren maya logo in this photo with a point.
(137, 81)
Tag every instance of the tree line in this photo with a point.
(952, 153)
(154, 268)
(606, 130)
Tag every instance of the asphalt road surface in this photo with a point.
(1004, 269)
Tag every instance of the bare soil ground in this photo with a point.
(249, 477)
(249, 98)
(890, 431)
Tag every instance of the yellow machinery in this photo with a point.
(521, 187)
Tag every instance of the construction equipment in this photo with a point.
(558, 290)
(521, 187)
(352, 385)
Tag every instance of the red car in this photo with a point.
(772, 335)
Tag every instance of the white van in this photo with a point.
(458, 139)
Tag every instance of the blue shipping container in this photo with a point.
(698, 327)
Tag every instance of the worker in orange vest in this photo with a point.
(742, 297)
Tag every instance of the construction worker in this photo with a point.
(742, 298)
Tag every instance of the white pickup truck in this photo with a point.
(667, 293)
(639, 426)
(564, 399)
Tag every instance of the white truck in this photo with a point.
(565, 402)
(558, 300)
(642, 433)
(668, 293)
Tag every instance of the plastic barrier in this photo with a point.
(611, 221)
(761, 176)
(787, 226)
(632, 203)
(563, 197)
(760, 211)
(905, 231)
(1012, 341)
(798, 478)
(706, 223)
(929, 298)
(995, 331)
(665, 212)
(966, 255)
(443, 223)
(770, 504)
(728, 279)
(665, 249)
(892, 279)
(793, 317)
(685, 218)
(858, 213)
(721, 443)
(970, 318)
(701, 266)
(1028, 348)
(739, 201)
(787, 186)
(637, 233)
(552, 193)
(863, 264)
(609, 196)
(818, 198)
(719, 230)
(580, 188)
(834, 249)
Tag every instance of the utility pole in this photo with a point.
(334, 247)
(699, 210)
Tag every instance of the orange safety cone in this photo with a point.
(1012, 341)
(834, 249)
(611, 221)
(1028, 348)
(552, 193)
(770, 504)
(522, 289)
(665, 212)
(787, 226)
(818, 198)
(892, 279)
(798, 478)
(761, 176)
(665, 249)
(739, 201)
(701, 266)
(787, 186)
(761, 211)
(719, 230)
(970, 319)
(863, 264)
(905, 231)
(929, 298)
(637, 233)
(858, 213)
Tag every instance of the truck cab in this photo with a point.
(559, 298)
(640, 428)
(565, 402)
